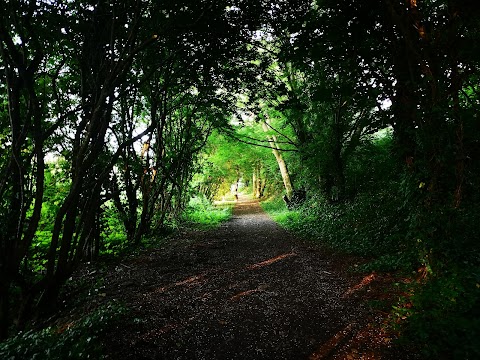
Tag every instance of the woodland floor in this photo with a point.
(247, 290)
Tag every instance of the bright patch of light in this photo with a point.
(385, 105)
(17, 40)
(382, 133)
(232, 8)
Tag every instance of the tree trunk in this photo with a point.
(4, 309)
(48, 300)
(272, 140)
(254, 183)
(284, 171)
(262, 185)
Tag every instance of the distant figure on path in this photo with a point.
(234, 190)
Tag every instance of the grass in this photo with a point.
(204, 215)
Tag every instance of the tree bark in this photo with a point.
(272, 140)
(254, 182)
(4, 307)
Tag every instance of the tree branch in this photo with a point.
(258, 145)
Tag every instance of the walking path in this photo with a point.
(247, 290)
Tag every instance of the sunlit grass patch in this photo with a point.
(209, 217)
(201, 213)
(274, 206)
(289, 219)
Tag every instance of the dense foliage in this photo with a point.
(114, 114)
(106, 107)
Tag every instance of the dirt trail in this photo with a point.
(247, 290)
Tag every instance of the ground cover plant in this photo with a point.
(77, 339)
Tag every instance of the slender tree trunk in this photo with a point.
(272, 140)
(407, 76)
(254, 182)
(261, 181)
(283, 170)
(22, 179)
(4, 309)
(263, 185)
(48, 300)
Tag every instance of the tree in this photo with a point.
(37, 61)
(22, 165)
(276, 151)
(88, 82)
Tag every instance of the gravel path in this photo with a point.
(247, 290)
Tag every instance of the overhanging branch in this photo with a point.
(231, 135)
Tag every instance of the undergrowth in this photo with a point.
(441, 315)
(387, 221)
(357, 227)
(74, 340)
